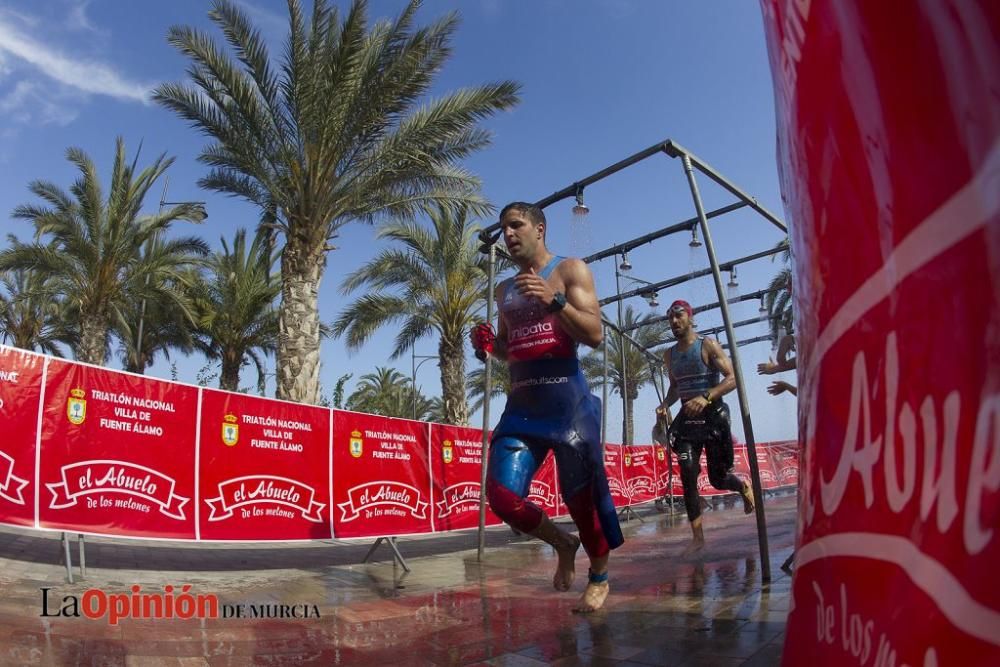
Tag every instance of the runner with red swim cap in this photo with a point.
(700, 375)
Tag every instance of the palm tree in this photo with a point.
(235, 318)
(637, 371)
(91, 249)
(433, 410)
(436, 282)
(32, 315)
(778, 299)
(385, 392)
(330, 135)
(163, 325)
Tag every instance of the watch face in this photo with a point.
(558, 302)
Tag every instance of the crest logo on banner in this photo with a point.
(628, 459)
(661, 454)
(230, 430)
(446, 452)
(357, 444)
(76, 406)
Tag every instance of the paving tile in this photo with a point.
(449, 610)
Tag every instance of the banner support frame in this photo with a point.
(391, 541)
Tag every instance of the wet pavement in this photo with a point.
(450, 609)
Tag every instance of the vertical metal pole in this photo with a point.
(623, 385)
(69, 560)
(765, 561)
(670, 460)
(487, 391)
(604, 390)
(413, 376)
(83, 556)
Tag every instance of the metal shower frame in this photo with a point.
(690, 162)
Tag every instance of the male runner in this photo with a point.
(548, 308)
(694, 365)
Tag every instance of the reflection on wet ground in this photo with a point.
(449, 610)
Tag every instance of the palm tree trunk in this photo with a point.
(452, 361)
(298, 321)
(229, 380)
(93, 339)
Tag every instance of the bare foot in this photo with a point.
(566, 570)
(747, 493)
(694, 547)
(593, 597)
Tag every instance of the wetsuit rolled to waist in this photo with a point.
(551, 402)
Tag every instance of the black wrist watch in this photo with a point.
(558, 302)
(707, 396)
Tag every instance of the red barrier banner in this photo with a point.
(544, 489)
(785, 462)
(116, 453)
(264, 469)
(741, 466)
(777, 463)
(456, 463)
(381, 476)
(639, 473)
(889, 148)
(664, 476)
(613, 455)
(20, 390)
(705, 487)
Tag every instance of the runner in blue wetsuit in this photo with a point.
(546, 310)
(700, 375)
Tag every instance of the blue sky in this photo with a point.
(601, 80)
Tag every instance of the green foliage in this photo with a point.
(88, 245)
(389, 393)
(233, 302)
(339, 129)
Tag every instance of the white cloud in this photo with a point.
(29, 103)
(77, 20)
(29, 21)
(88, 77)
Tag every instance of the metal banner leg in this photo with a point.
(787, 565)
(628, 513)
(391, 541)
(69, 560)
(83, 556)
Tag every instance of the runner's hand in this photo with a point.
(533, 285)
(695, 406)
(483, 338)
